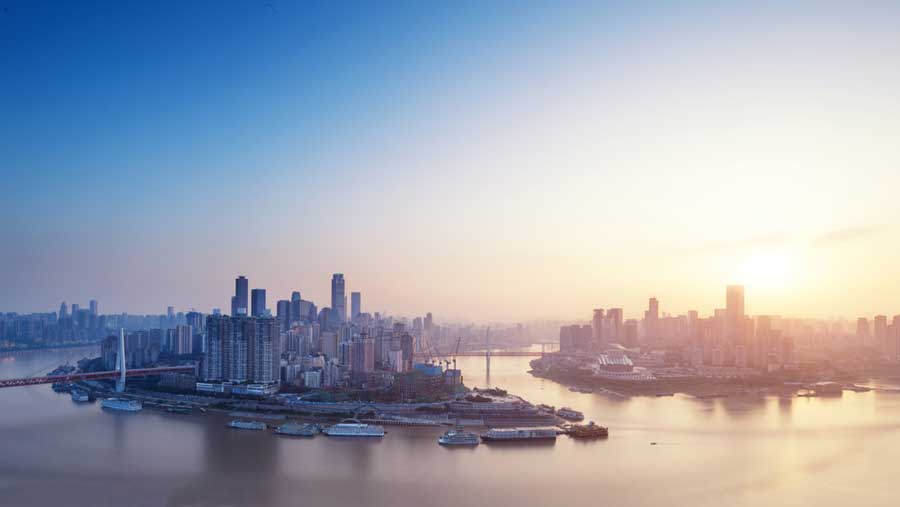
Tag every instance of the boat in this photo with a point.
(589, 430)
(121, 404)
(79, 396)
(512, 434)
(457, 436)
(354, 429)
(546, 408)
(247, 425)
(295, 429)
(179, 409)
(570, 414)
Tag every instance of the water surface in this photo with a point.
(748, 451)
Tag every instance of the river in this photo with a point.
(749, 451)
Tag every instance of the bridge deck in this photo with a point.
(137, 372)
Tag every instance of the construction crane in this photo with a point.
(456, 351)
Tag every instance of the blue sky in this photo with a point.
(477, 158)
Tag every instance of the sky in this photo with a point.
(504, 161)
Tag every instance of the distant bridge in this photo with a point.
(75, 377)
(494, 353)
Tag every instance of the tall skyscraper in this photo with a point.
(296, 308)
(734, 313)
(355, 305)
(283, 314)
(429, 324)
(94, 307)
(651, 320)
(240, 296)
(258, 302)
(338, 298)
(614, 316)
(63, 310)
(597, 330)
(734, 302)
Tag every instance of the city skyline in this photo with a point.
(496, 163)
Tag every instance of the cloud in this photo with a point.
(773, 239)
(848, 234)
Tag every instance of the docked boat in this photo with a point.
(513, 434)
(570, 414)
(295, 429)
(179, 409)
(79, 396)
(589, 430)
(546, 408)
(350, 429)
(121, 404)
(247, 425)
(457, 436)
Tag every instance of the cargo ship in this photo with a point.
(515, 434)
(457, 436)
(295, 429)
(121, 404)
(247, 425)
(349, 429)
(569, 414)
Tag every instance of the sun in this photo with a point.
(767, 270)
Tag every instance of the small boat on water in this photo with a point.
(457, 436)
(247, 425)
(121, 404)
(570, 414)
(179, 409)
(79, 396)
(295, 429)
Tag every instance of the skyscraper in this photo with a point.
(240, 296)
(283, 314)
(258, 302)
(94, 308)
(63, 311)
(338, 298)
(734, 302)
(355, 305)
(597, 329)
(651, 320)
(296, 307)
(614, 315)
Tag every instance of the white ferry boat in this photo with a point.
(121, 404)
(247, 425)
(512, 434)
(79, 396)
(570, 414)
(457, 436)
(354, 430)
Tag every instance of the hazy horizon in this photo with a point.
(492, 162)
